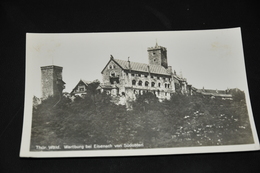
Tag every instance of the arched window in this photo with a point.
(140, 83)
(153, 84)
(113, 74)
(159, 84)
(165, 85)
(133, 82)
(146, 83)
(110, 67)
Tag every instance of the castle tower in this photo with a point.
(158, 55)
(52, 83)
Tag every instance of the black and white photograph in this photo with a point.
(136, 93)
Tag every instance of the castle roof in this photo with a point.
(106, 86)
(220, 93)
(142, 67)
(86, 83)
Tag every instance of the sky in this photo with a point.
(212, 59)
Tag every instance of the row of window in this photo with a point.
(111, 66)
(113, 74)
(155, 77)
(157, 93)
(146, 83)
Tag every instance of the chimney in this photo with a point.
(129, 64)
(169, 69)
(180, 74)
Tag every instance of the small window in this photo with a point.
(165, 85)
(158, 77)
(146, 83)
(113, 74)
(140, 83)
(133, 74)
(159, 84)
(133, 82)
(145, 75)
(153, 84)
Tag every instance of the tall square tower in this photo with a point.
(51, 79)
(158, 56)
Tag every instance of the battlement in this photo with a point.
(51, 67)
(157, 48)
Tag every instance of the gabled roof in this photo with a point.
(85, 82)
(140, 67)
(106, 86)
(213, 91)
(81, 81)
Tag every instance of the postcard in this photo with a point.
(136, 93)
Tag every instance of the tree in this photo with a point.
(146, 101)
(238, 95)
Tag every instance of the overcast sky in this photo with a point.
(212, 59)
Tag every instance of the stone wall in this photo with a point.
(51, 81)
(139, 83)
(47, 82)
(158, 56)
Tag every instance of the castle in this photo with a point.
(129, 79)
(121, 77)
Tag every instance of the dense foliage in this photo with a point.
(178, 122)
